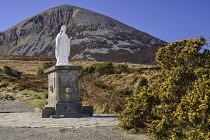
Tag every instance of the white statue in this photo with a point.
(62, 48)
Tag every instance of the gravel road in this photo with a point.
(17, 122)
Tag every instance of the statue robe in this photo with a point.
(62, 49)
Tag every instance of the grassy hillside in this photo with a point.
(105, 92)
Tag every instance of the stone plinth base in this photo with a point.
(69, 108)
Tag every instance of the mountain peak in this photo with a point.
(94, 37)
(63, 6)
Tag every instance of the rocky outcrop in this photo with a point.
(94, 37)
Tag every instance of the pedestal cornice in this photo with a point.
(56, 68)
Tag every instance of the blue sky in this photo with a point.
(169, 20)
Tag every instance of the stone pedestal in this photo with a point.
(63, 96)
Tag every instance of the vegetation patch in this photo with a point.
(105, 68)
(35, 98)
(9, 71)
(176, 102)
(105, 87)
(107, 93)
(46, 65)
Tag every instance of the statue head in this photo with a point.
(63, 28)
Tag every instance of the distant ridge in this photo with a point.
(94, 37)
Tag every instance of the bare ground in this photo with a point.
(83, 133)
(95, 133)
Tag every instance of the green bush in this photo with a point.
(8, 71)
(46, 65)
(98, 68)
(105, 68)
(86, 71)
(177, 106)
(40, 72)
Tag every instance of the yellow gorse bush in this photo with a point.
(178, 105)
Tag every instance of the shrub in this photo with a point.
(40, 72)
(178, 105)
(137, 112)
(105, 68)
(86, 71)
(46, 65)
(9, 71)
(98, 68)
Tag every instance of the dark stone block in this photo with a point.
(69, 108)
(88, 110)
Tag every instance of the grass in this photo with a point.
(37, 103)
(37, 99)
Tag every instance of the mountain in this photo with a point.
(94, 37)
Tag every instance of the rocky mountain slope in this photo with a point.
(94, 37)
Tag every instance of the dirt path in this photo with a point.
(14, 107)
(95, 133)
(20, 124)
